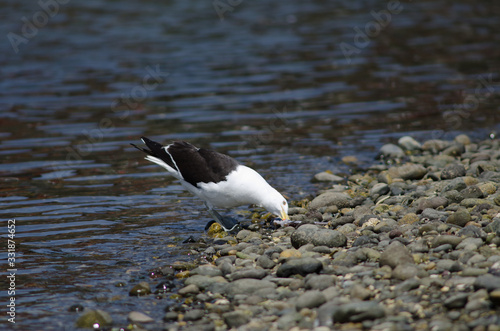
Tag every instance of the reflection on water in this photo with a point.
(287, 88)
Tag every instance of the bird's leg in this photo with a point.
(227, 223)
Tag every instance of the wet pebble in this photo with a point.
(141, 288)
(326, 176)
(392, 151)
(409, 143)
(94, 319)
(138, 317)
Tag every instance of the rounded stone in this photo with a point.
(434, 203)
(453, 170)
(463, 139)
(194, 314)
(312, 234)
(235, 319)
(302, 266)
(249, 286)
(310, 299)
(392, 151)
(409, 218)
(379, 189)
(396, 254)
(340, 200)
(142, 288)
(94, 319)
(265, 262)
(358, 312)
(472, 192)
(290, 253)
(327, 176)
(408, 171)
(460, 218)
(446, 239)
(190, 289)
(409, 144)
(254, 273)
(138, 317)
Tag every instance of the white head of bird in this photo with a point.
(275, 203)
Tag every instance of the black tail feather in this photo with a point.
(155, 149)
(147, 151)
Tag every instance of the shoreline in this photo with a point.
(408, 244)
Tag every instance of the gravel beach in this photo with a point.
(410, 243)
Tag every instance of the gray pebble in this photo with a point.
(265, 262)
(453, 196)
(319, 282)
(301, 266)
(206, 270)
(379, 189)
(408, 171)
(404, 272)
(456, 184)
(434, 202)
(235, 319)
(203, 282)
(472, 231)
(365, 241)
(340, 200)
(194, 314)
(396, 254)
(446, 239)
(409, 144)
(392, 151)
(488, 282)
(472, 192)
(358, 312)
(408, 285)
(432, 214)
(443, 248)
(327, 177)
(456, 301)
(170, 316)
(312, 234)
(310, 299)
(435, 145)
(255, 273)
(453, 171)
(190, 289)
(447, 264)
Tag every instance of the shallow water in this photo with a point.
(287, 88)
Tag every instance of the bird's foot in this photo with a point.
(228, 224)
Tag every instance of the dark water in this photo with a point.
(288, 88)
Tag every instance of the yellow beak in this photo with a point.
(284, 215)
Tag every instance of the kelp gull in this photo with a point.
(217, 179)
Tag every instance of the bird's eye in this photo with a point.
(284, 202)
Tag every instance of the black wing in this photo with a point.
(196, 165)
